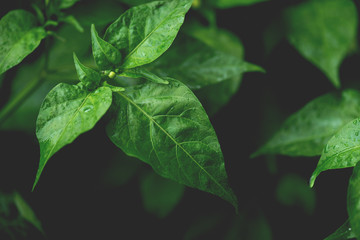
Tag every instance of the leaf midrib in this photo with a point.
(174, 140)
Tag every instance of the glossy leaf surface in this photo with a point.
(353, 201)
(306, 132)
(89, 77)
(67, 112)
(106, 55)
(166, 127)
(342, 150)
(159, 195)
(323, 32)
(19, 36)
(146, 31)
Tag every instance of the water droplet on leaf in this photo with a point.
(87, 108)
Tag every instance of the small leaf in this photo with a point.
(63, 4)
(67, 112)
(306, 132)
(159, 195)
(353, 201)
(105, 54)
(89, 77)
(216, 38)
(323, 31)
(26, 212)
(143, 73)
(166, 127)
(233, 3)
(146, 31)
(74, 22)
(342, 150)
(342, 233)
(19, 36)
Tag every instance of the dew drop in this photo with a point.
(88, 108)
(357, 133)
(355, 122)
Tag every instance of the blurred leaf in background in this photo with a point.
(323, 31)
(17, 219)
(293, 190)
(159, 195)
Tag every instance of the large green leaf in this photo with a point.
(306, 132)
(353, 201)
(323, 31)
(67, 112)
(166, 127)
(342, 150)
(146, 31)
(19, 36)
(233, 3)
(159, 195)
(342, 233)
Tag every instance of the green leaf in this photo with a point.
(74, 22)
(233, 3)
(106, 55)
(143, 73)
(306, 132)
(292, 190)
(67, 112)
(89, 77)
(323, 31)
(120, 170)
(214, 96)
(353, 201)
(159, 195)
(63, 4)
(344, 232)
(19, 36)
(146, 31)
(342, 150)
(26, 212)
(250, 226)
(216, 38)
(166, 127)
(198, 65)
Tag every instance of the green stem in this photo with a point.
(7, 111)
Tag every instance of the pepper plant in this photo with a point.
(156, 77)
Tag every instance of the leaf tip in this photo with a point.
(312, 180)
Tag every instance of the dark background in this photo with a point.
(72, 204)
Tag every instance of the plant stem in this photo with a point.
(9, 108)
